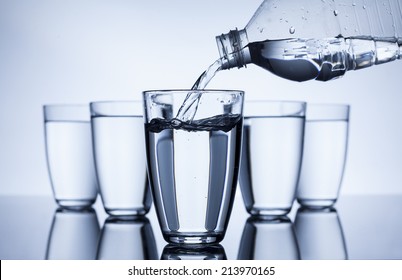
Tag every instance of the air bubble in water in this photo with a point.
(292, 30)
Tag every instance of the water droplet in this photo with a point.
(292, 30)
(336, 13)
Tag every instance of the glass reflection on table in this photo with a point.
(320, 235)
(127, 238)
(73, 235)
(268, 238)
(194, 252)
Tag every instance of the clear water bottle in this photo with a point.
(302, 40)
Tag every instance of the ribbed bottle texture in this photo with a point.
(316, 39)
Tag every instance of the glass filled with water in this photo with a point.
(324, 154)
(271, 155)
(193, 161)
(69, 155)
(119, 150)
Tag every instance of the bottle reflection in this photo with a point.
(193, 252)
(265, 238)
(127, 238)
(320, 235)
(73, 235)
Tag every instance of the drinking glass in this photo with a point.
(69, 155)
(119, 150)
(193, 160)
(324, 154)
(271, 155)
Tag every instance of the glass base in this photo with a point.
(267, 212)
(75, 204)
(201, 238)
(126, 212)
(316, 203)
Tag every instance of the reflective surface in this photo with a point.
(127, 238)
(73, 235)
(194, 252)
(358, 227)
(265, 238)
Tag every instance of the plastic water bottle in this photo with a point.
(302, 40)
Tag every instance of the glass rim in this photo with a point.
(332, 105)
(274, 108)
(327, 111)
(275, 101)
(121, 108)
(114, 101)
(65, 105)
(66, 112)
(183, 91)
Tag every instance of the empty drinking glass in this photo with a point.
(69, 155)
(324, 154)
(193, 161)
(271, 155)
(119, 150)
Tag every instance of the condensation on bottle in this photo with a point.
(302, 40)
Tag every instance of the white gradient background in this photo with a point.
(54, 51)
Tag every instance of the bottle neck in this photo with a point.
(233, 49)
